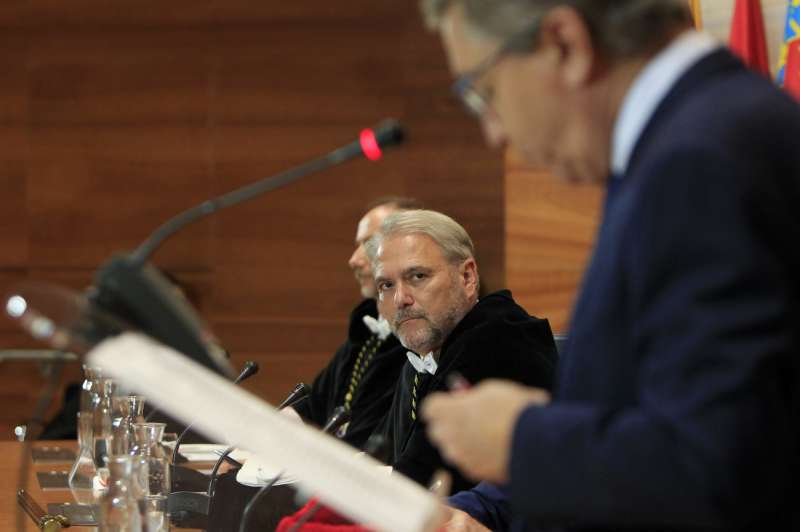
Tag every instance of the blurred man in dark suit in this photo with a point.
(676, 403)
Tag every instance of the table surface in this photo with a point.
(10, 457)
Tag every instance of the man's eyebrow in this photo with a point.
(416, 269)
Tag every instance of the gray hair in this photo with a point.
(620, 28)
(451, 238)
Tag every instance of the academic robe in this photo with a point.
(375, 382)
(496, 339)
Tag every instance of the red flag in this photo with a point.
(747, 35)
(791, 79)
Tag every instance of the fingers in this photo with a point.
(462, 522)
(473, 428)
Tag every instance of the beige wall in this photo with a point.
(717, 16)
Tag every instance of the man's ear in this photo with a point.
(565, 30)
(469, 275)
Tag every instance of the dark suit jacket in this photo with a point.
(496, 339)
(677, 398)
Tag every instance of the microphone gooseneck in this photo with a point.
(212, 483)
(370, 144)
(248, 509)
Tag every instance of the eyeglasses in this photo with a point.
(464, 87)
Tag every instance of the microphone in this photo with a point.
(250, 369)
(300, 392)
(340, 416)
(128, 287)
(378, 447)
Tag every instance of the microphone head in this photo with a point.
(372, 142)
(379, 447)
(250, 368)
(340, 416)
(300, 391)
(389, 133)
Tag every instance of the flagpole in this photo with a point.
(697, 13)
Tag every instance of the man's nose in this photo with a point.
(357, 259)
(402, 296)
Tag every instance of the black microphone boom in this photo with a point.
(388, 133)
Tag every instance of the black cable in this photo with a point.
(254, 500)
(213, 482)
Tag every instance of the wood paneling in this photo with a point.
(115, 117)
(550, 228)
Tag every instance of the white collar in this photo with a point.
(649, 89)
(380, 326)
(426, 364)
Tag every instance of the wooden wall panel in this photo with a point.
(550, 228)
(113, 117)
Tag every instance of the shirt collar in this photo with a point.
(649, 90)
(426, 364)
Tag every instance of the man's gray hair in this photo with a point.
(451, 238)
(620, 28)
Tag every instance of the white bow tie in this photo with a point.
(379, 326)
(426, 364)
